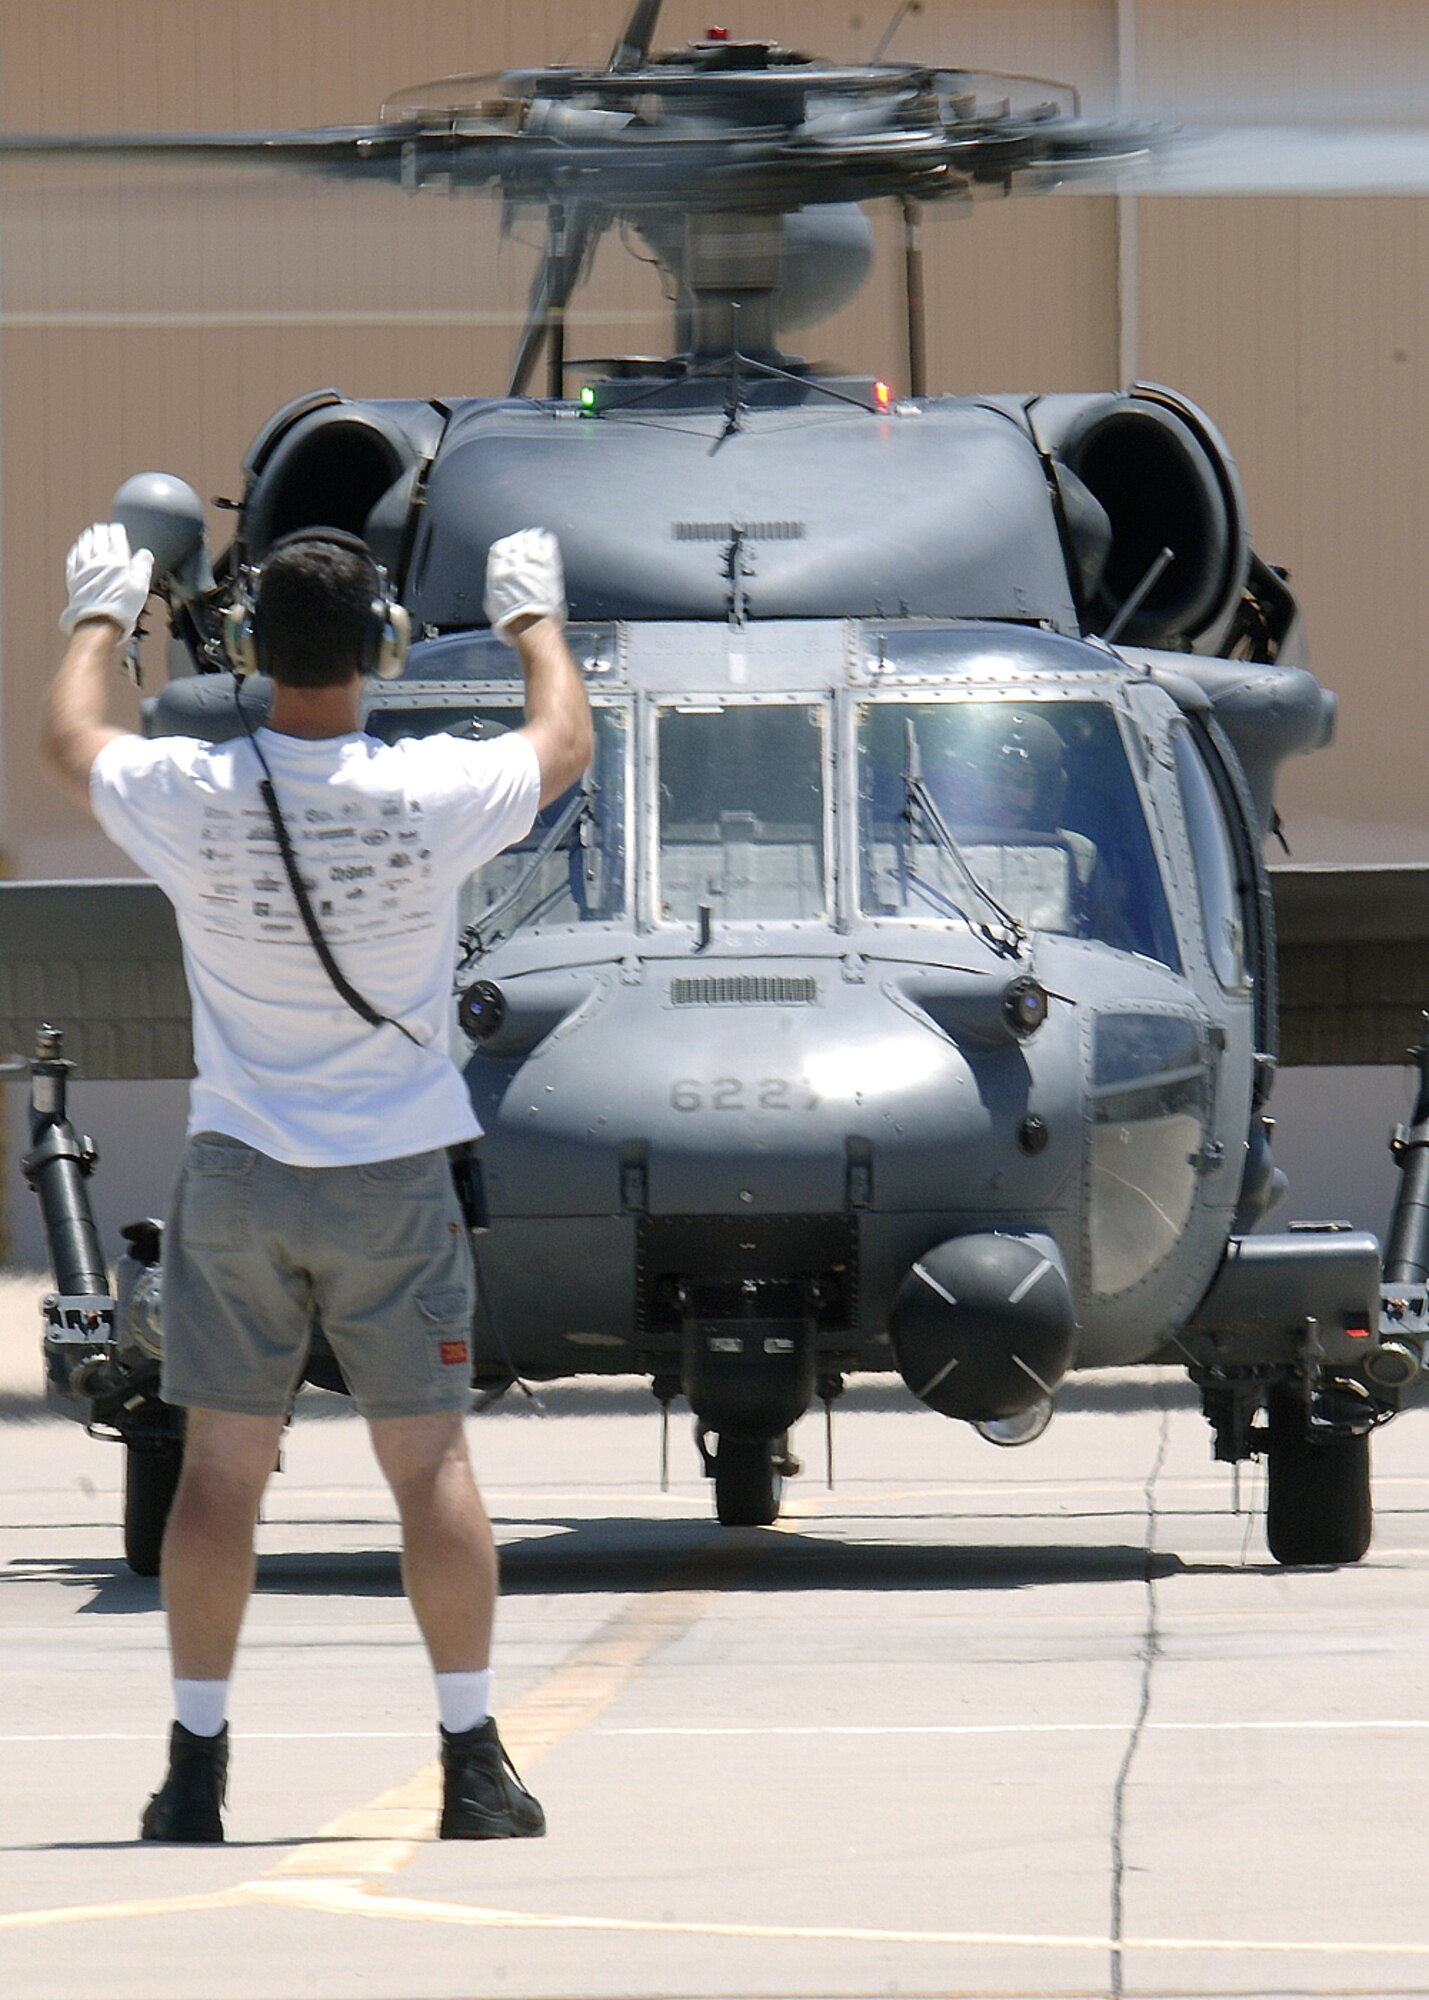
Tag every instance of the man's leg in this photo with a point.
(448, 1555)
(207, 1567)
(207, 1575)
(450, 1572)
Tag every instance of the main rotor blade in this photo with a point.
(1266, 160)
(296, 148)
(843, 151)
(409, 155)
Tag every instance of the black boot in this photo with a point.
(188, 1805)
(482, 1797)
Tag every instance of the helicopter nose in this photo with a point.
(982, 1326)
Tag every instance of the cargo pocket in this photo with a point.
(407, 1205)
(446, 1322)
(216, 1198)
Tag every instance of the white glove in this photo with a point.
(524, 575)
(105, 580)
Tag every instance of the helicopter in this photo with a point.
(898, 992)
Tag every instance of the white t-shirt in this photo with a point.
(385, 835)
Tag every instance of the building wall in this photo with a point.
(155, 317)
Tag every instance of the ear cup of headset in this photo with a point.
(238, 640)
(396, 638)
(387, 634)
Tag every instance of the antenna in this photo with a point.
(1138, 596)
(632, 51)
(906, 7)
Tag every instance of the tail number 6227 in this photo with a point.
(734, 1093)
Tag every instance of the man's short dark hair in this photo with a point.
(313, 614)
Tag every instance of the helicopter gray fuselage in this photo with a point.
(748, 1015)
(833, 1097)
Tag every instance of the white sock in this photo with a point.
(463, 1700)
(201, 1705)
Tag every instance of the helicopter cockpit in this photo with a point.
(717, 808)
(1032, 803)
(570, 868)
(742, 813)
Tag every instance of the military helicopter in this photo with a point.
(898, 992)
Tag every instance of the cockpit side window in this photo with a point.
(1036, 798)
(741, 812)
(1214, 857)
(570, 868)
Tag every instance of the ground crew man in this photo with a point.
(316, 1185)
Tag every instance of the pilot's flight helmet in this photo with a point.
(1012, 766)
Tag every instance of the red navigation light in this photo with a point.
(716, 34)
(882, 395)
(1357, 1330)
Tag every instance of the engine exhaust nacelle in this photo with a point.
(1164, 479)
(982, 1326)
(329, 461)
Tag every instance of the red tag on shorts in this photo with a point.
(454, 1352)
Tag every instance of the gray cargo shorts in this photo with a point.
(256, 1253)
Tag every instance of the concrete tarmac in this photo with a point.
(983, 1723)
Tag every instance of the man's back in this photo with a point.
(384, 836)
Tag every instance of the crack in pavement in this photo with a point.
(1150, 1652)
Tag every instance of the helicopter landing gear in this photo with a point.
(747, 1365)
(749, 1475)
(151, 1477)
(1318, 1509)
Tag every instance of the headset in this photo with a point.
(387, 629)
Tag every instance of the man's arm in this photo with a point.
(107, 588)
(526, 603)
(558, 724)
(74, 729)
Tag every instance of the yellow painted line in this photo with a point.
(349, 1899)
(384, 1835)
(89, 1913)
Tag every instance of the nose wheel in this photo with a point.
(749, 1475)
(1318, 1507)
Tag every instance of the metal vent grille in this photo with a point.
(749, 531)
(744, 990)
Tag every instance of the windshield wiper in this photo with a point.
(478, 939)
(1006, 935)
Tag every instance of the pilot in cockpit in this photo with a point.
(1004, 792)
(1034, 800)
(1009, 776)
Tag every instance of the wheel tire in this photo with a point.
(1319, 1509)
(747, 1486)
(150, 1478)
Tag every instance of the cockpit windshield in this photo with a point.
(742, 812)
(1035, 799)
(570, 868)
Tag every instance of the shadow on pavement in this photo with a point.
(623, 1555)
